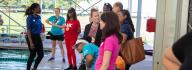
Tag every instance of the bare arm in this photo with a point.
(30, 39)
(79, 27)
(170, 62)
(106, 59)
(47, 21)
(89, 59)
(62, 26)
(79, 30)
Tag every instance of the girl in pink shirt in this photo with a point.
(109, 49)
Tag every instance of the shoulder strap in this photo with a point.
(57, 19)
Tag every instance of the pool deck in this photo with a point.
(57, 64)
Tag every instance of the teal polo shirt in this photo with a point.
(91, 49)
(60, 21)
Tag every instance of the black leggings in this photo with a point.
(127, 66)
(38, 50)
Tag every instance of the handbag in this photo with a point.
(42, 34)
(132, 51)
(48, 35)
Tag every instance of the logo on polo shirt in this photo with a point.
(33, 20)
(86, 51)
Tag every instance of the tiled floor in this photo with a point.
(57, 64)
(143, 65)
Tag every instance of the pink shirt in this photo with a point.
(111, 43)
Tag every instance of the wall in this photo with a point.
(171, 25)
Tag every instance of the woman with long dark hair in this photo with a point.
(127, 28)
(111, 40)
(72, 30)
(34, 27)
(126, 23)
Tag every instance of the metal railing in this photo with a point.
(190, 27)
(19, 28)
(13, 19)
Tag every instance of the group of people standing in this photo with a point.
(100, 44)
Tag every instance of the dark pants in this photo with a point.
(127, 66)
(37, 50)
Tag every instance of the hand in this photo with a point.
(88, 68)
(102, 68)
(92, 39)
(143, 43)
(60, 26)
(32, 46)
(53, 24)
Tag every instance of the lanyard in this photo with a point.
(57, 19)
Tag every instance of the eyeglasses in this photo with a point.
(106, 4)
(70, 12)
(107, 7)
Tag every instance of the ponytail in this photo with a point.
(32, 7)
(28, 11)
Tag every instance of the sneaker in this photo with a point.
(50, 59)
(63, 60)
(34, 69)
(75, 68)
(69, 68)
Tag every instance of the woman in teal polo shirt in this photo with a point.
(89, 51)
(57, 23)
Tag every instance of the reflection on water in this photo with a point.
(14, 53)
(14, 59)
(12, 65)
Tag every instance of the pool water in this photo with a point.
(14, 59)
(12, 65)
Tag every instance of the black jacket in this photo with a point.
(127, 29)
(98, 34)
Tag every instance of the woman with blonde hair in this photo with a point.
(92, 32)
(57, 22)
